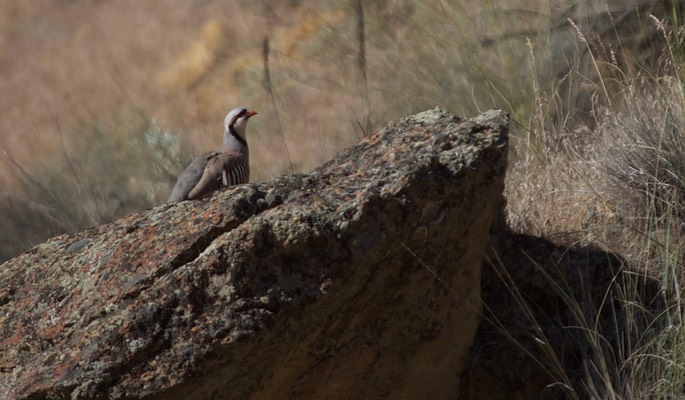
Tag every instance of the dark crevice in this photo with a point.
(193, 251)
(246, 208)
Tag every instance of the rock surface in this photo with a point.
(360, 279)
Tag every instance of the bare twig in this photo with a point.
(64, 147)
(359, 11)
(361, 64)
(269, 88)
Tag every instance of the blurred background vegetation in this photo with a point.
(103, 102)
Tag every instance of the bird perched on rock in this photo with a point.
(217, 169)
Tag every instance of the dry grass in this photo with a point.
(613, 177)
(594, 89)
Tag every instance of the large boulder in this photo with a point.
(360, 279)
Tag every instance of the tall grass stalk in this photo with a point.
(268, 86)
(365, 125)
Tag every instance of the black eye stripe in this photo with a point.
(240, 114)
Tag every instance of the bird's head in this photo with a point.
(236, 119)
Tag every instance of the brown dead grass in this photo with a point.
(86, 75)
(103, 102)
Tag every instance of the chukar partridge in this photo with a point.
(217, 169)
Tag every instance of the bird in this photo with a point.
(220, 168)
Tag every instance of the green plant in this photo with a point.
(108, 171)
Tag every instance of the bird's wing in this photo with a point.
(190, 176)
(217, 174)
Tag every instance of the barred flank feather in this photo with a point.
(239, 174)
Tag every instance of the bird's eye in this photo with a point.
(241, 114)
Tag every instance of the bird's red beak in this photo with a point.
(250, 113)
